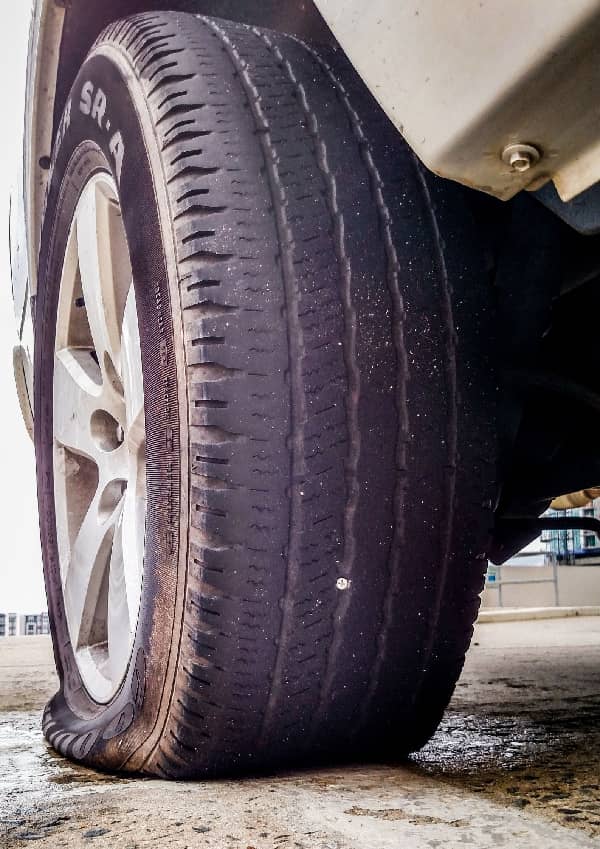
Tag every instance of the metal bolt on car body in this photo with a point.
(520, 157)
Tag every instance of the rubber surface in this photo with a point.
(330, 343)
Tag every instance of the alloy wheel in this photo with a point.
(99, 441)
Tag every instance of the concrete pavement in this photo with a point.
(515, 763)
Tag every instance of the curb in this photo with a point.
(520, 614)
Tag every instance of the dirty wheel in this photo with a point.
(264, 410)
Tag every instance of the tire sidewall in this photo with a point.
(101, 131)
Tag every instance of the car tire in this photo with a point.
(314, 316)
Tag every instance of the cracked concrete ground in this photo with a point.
(516, 763)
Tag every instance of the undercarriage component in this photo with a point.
(521, 530)
(576, 499)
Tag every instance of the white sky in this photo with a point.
(21, 583)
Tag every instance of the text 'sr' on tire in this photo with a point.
(264, 410)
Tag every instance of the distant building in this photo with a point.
(27, 625)
(34, 624)
(574, 545)
(9, 625)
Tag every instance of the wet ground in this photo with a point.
(516, 763)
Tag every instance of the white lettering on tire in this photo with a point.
(99, 107)
(86, 98)
(117, 149)
(94, 103)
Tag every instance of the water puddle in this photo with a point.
(544, 760)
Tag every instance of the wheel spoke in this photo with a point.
(105, 271)
(119, 608)
(76, 398)
(85, 576)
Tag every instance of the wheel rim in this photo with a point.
(99, 442)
